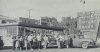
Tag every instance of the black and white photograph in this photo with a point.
(49, 26)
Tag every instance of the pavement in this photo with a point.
(56, 50)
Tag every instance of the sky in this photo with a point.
(50, 8)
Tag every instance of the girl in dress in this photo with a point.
(21, 42)
(26, 43)
(17, 43)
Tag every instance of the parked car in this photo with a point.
(51, 42)
(81, 41)
(1, 43)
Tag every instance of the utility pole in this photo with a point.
(29, 15)
(29, 12)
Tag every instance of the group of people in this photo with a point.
(17, 42)
(20, 42)
(64, 41)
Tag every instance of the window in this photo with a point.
(3, 22)
(11, 30)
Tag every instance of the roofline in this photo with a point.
(34, 26)
(10, 24)
(42, 27)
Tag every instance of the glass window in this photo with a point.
(11, 30)
(3, 22)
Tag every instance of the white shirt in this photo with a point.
(45, 38)
(61, 38)
(66, 37)
(30, 38)
(21, 39)
(38, 38)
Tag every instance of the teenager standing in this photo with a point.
(38, 37)
(30, 37)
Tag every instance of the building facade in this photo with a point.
(23, 27)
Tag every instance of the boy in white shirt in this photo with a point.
(38, 37)
(45, 41)
(30, 37)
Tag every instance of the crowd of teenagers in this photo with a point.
(31, 41)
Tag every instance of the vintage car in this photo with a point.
(1, 43)
(52, 42)
(81, 41)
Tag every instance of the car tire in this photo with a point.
(85, 45)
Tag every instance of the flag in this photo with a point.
(82, 1)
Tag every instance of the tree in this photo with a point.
(70, 24)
